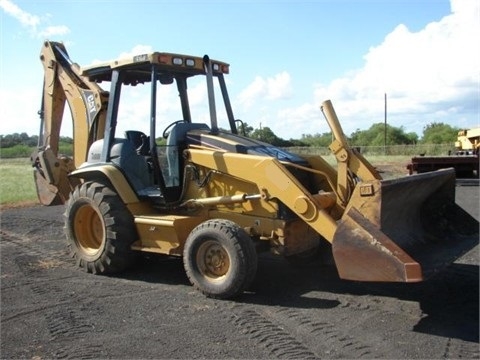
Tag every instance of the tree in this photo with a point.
(375, 136)
(320, 140)
(297, 142)
(10, 140)
(265, 134)
(66, 139)
(244, 129)
(439, 133)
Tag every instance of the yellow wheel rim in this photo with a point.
(89, 230)
(213, 260)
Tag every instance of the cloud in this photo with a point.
(51, 31)
(272, 88)
(34, 23)
(136, 50)
(430, 72)
(25, 19)
(429, 76)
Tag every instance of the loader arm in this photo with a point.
(63, 82)
(351, 164)
(274, 182)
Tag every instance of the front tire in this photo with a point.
(220, 259)
(99, 229)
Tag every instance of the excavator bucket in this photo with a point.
(51, 177)
(403, 230)
(47, 193)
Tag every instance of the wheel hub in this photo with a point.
(89, 230)
(213, 260)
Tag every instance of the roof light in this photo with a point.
(163, 59)
(139, 58)
(189, 62)
(177, 61)
(216, 67)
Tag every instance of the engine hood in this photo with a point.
(240, 144)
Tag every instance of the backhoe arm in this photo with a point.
(63, 82)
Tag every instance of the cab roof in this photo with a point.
(137, 69)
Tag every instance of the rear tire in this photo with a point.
(220, 259)
(99, 229)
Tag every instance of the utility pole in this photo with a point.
(385, 128)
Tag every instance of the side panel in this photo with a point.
(164, 234)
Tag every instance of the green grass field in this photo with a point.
(16, 182)
(17, 185)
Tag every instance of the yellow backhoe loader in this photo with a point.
(217, 198)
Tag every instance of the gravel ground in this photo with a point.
(51, 309)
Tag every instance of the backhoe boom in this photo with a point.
(87, 102)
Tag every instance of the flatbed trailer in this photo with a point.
(466, 166)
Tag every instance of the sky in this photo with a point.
(286, 57)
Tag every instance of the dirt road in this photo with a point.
(51, 309)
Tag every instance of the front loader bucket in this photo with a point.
(403, 230)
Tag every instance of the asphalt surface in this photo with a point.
(51, 309)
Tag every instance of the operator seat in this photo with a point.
(176, 143)
(134, 166)
(140, 141)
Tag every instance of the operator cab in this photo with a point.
(153, 163)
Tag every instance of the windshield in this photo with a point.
(134, 106)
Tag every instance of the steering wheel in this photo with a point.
(166, 132)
